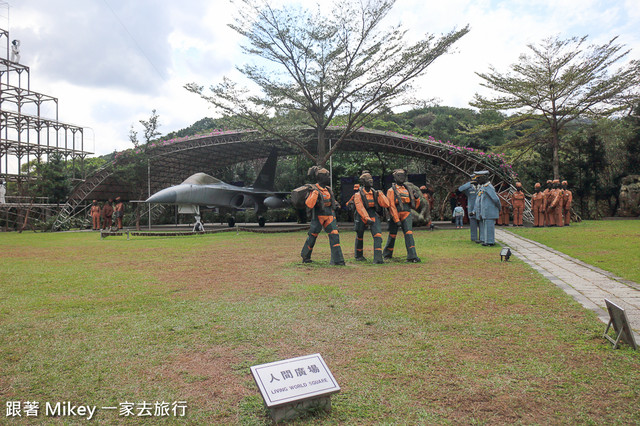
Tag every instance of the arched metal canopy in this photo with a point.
(172, 161)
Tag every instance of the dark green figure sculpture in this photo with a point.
(367, 202)
(322, 204)
(401, 201)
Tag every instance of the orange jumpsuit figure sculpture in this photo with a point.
(401, 201)
(351, 207)
(95, 215)
(558, 206)
(537, 204)
(368, 202)
(567, 197)
(503, 219)
(107, 214)
(428, 195)
(517, 201)
(322, 205)
(118, 212)
(554, 204)
(545, 205)
(356, 187)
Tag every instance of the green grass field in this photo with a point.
(612, 245)
(459, 338)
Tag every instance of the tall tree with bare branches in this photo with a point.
(320, 69)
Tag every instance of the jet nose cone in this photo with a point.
(166, 196)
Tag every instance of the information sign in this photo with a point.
(295, 379)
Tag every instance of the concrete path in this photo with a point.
(585, 283)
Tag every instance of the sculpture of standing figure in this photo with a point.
(537, 206)
(546, 194)
(3, 192)
(107, 214)
(505, 205)
(367, 201)
(322, 204)
(554, 204)
(401, 201)
(15, 51)
(118, 212)
(487, 209)
(470, 190)
(517, 201)
(95, 215)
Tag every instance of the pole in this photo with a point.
(330, 166)
(149, 189)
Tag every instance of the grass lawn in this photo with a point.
(459, 338)
(612, 245)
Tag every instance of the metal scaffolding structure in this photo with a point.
(25, 133)
(29, 130)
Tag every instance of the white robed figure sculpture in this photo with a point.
(15, 51)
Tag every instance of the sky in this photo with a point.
(111, 62)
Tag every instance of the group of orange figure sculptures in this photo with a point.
(104, 215)
(550, 207)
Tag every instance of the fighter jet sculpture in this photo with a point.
(201, 189)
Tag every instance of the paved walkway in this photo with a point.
(585, 283)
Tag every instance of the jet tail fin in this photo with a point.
(267, 175)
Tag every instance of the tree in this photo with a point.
(53, 179)
(322, 70)
(559, 82)
(150, 131)
(135, 172)
(632, 144)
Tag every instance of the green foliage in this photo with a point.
(447, 124)
(150, 131)
(85, 167)
(54, 179)
(632, 143)
(131, 166)
(201, 126)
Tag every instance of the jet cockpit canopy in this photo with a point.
(201, 179)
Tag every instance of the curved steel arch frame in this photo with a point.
(172, 161)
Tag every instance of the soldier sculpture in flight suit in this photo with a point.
(322, 204)
(401, 201)
(368, 201)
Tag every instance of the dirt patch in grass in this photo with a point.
(206, 379)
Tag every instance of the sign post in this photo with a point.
(295, 386)
(618, 318)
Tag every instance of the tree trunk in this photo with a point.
(322, 148)
(556, 159)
